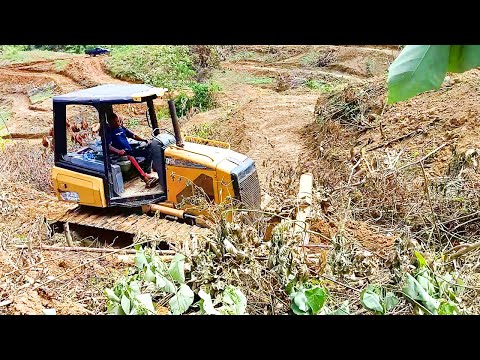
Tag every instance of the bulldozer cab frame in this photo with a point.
(102, 98)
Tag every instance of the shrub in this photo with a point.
(203, 99)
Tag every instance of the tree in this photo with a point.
(421, 68)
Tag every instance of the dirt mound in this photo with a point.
(88, 72)
(370, 239)
(365, 62)
(18, 83)
(425, 122)
(360, 231)
(70, 283)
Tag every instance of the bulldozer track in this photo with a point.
(126, 221)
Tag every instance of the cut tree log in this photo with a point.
(305, 206)
(68, 234)
(86, 249)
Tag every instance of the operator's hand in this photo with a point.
(121, 152)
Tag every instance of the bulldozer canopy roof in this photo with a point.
(110, 94)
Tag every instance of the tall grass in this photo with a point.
(159, 65)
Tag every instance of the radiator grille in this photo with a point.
(250, 188)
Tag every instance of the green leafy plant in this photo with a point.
(203, 131)
(377, 299)
(133, 122)
(421, 68)
(163, 113)
(152, 274)
(203, 98)
(308, 300)
(319, 85)
(430, 293)
(126, 298)
(232, 300)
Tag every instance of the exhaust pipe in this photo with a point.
(176, 125)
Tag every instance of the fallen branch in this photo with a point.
(86, 263)
(339, 283)
(458, 247)
(465, 250)
(5, 303)
(423, 158)
(86, 249)
(322, 246)
(403, 137)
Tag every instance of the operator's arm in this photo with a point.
(130, 134)
(136, 137)
(115, 150)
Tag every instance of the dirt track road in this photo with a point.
(30, 120)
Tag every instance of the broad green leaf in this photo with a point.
(375, 289)
(426, 284)
(182, 300)
(140, 260)
(169, 286)
(146, 301)
(149, 275)
(420, 259)
(111, 295)
(463, 58)
(206, 304)
(300, 300)
(160, 281)
(296, 309)
(371, 301)
(116, 310)
(134, 287)
(125, 305)
(414, 290)
(447, 308)
(417, 69)
(176, 268)
(49, 312)
(315, 299)
(390, 301)
(235, 299)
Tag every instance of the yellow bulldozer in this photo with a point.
(111, 195)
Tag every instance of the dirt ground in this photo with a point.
(264, 111)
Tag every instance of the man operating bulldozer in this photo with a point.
(118, 144)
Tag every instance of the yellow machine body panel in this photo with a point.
(205, 167)
(79, 188)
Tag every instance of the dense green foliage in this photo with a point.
(203, 98)
(421, 68)
(159, 65)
